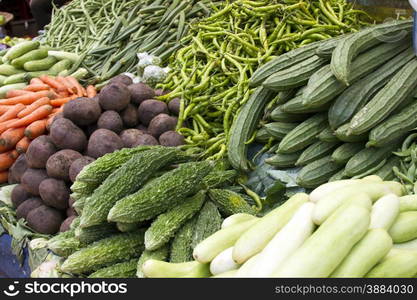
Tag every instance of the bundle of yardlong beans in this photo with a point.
(211, 72)
(107, 34)
(406, 169)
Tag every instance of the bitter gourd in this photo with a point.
(219, 178)
(125, 269)
(94, 233)
(229, 202)
(181, 250)
(208, 222)
(64, 244)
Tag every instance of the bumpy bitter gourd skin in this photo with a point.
(121, 270)
(181, 248)
(230, 202)
(208, 222)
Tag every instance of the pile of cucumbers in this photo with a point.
(342, 106)
(145, 202)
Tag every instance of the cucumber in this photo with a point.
(166, 225)
(303, 135)
(278, 115)
(295, 106)
(327, 188)
(399, 263)
(30, 56)
(236, 218)
(404, 228)
(64, 244)
(62, 55)
(15, 86)
(244, 126)
(121, 270)
(126, 180)
(317, 172)
(351, 47)
(315, 151)
(16, 78)
(327, 135)
(294, 76)
(8, 70)
(19, 50)
(111, 250)
(40, 64)
(161, 194)
(411, 245)
(343, 134)
(373, 247)
(401, 86)
(256, 238)
(181, 249)
(159, 254)
(60, 66)
(408, 203)
(230, 202)
(332, 240)
(278, 130)
(223, 262)
(358, 94)
(160, 269)
(385, 211)
(280, 160)
(94, 233)
(346, 151)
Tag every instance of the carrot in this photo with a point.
(62, 101)
(53, 83)
(12, 112)
(15, 93)
(10, 137)
(67, 84)
(56, 110)
(36, 129)
(37, 87)
(38, 114)
(63, 94)
(77, 85)
(28, 99)
(7, 159)
(3, 125)
(4, 176)
(36, 81)
(22, 145)
(33, 106)
(4, 108)
(91, 91)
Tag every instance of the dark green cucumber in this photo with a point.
(342, 133)
(208, 222)
(278, 130)
(327, 135)
(343, 153)
(316, 151)
(283, 160)
(386, 172)
(229, 202)
(181, 249)
(295, 106)
(317, 172)
(278, 115)
(125, 269)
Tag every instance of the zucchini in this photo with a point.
(262, 136)
(394, 127)
(60, 66)
(230, 202)
(349, 48)
(399, 263)
(343, 153)
(15, 86)
(373, 247)
(325, 189)
(166, 225)
(40, 64)
(294, 76)
(315, 151)
(327, 135)
(111, 250)
(62, 55)
(278, 130)
(181, 249)
(398, 89)
(317, 172)
(8, 70)
(126, 180)
(159, 254)
(303, 135)
(280, 160)
(408, 203)
(160, 269)
(16, 78)
(295, 106)
(223, 263)
(404, 228)
(278, 115)
(244, 126)
(64, 243)
(338, 176)
(161, 194)
(94, 233)
(19, 50)
(358, 94)
(343, 134)
(384, 212)
(411, 245)
(235, 219)
(125, 269)
(32, 55)
(207, 223)
(333, 240)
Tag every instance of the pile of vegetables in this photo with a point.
(348, 228)
(342, 106)
(9, 41)
(211, 71)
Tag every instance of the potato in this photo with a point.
(174, 106)
(126, 80)
(140, 92)
(145, 140)
(18, 168)
(103, 141)
(78, 165)
(65, 226)
(162, 123)
(171, 139)
(32, 178)
(58, 165)
(56, 117)
(115, 96)
(66, 135)
(82, 111)
(130, 116)
(27, 206)
(19, 195)
(149, 109)
(130, 136)
(54, 193)
(161, 92)
(142, 128)
(45, 220)
(110, 120)
(40, 149)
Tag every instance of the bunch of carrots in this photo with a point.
(26, 114)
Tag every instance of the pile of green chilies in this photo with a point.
(107, 34)
(211, 72)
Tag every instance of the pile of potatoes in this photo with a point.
(123, 115)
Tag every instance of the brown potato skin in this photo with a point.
(18, 168)
(54, 193)
(145, 140)
(140, 92)
(149, 109)
(45, 220)
(174, 106)
(162, 123)
(27, 206)
(110, 120)
(77, 165)
(124, 79)
(58, 165)
(103, 141)
(19, 195)
(130, 116)
(66, 135)
(114, 96)
(65, 226)
(130, 137)
(32, 178)
(40, 149)
(171, 139)
(82, 111)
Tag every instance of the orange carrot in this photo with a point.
(67, 84)
(77, 85)
(56, 110)
(4, 108)
(62, 101)
(36, 129)
(10, 137)
(37, 87)
(15, 93)
(91, 91)
(3, 125)
(53, 83)
(33, 106)
(4, 176)
(22, 145)
(36, 81)
(7, 159)
(63, 94)
(38, 114)
(12, 112)
(27, 99)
